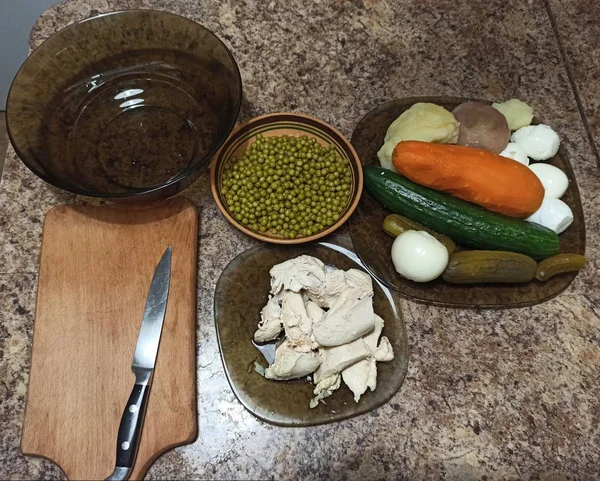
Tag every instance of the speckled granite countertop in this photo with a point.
(490, 395)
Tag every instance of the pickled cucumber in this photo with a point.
(559, 264)
(395, 225)
(483, 267)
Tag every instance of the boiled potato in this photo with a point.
(423, 121)
(518, 114)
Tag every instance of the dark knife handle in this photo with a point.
(130, 428)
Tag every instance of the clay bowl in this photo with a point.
(278, 124)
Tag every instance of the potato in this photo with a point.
(481, 126)
(423, 121)
(518, 114)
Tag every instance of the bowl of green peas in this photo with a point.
(286, 178)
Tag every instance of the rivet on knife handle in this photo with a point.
(144, 359)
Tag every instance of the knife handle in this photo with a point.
(130, 428)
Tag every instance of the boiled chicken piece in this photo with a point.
(295, 319)
(302, 272)
(384, 351)
(270, 323)
(314, 312)
(362, 375)
(338, 282)
(348, 319)
(335, 360)
(293, 361)
(328, 291)
(325, 388)
(359, 282)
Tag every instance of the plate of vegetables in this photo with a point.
(466, 203)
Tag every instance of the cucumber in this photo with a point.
(465, 223)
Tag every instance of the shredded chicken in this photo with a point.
(331, 330)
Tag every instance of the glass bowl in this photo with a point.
(130, 104)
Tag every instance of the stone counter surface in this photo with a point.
(490, 394)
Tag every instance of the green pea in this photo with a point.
(291, 186)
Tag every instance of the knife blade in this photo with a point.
(144, 360)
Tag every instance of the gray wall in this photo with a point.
(17, 17)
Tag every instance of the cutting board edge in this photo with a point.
(24, 438)
(143, 469)
(41, 456)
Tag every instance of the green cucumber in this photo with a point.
(465, 223)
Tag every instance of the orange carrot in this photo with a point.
(475, 175)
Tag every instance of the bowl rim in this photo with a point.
(276, 240)
(74, 189)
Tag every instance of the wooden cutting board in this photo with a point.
(95, 271)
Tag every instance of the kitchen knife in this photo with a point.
(144, 359)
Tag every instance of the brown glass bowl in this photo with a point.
(130, 104)
(374, 246)
(242, 291)
(278, 124)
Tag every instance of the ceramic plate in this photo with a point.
(374, 246)
(241, 293)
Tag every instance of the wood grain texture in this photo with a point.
(95, 271)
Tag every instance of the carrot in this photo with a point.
(475, 175)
